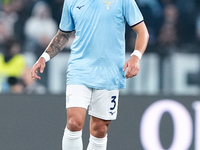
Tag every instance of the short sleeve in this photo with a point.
(67, 23)
(131, 12)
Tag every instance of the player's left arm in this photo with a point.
(133, 64)
(56, 45)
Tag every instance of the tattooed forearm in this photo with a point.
(58, 43)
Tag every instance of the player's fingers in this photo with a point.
(42, 66)
(125, 66)
(34, 72)
(126, 75)
(128, 72)
(36, 76)
(134, 72)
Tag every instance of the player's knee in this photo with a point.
(74, 124)
(100, 130)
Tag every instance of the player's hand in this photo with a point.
(133, 65)
(38, 66)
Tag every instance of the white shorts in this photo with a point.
(102, 104)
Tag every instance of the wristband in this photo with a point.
(46, 56)
(137, 53)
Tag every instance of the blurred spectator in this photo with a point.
(23, 12)
(8, 16)
(32, 87)
(153, 14)
(171, 14)
(16, 85)
(187, 20)
(39, 28)
(198, 27)
(168, 42)
(167, 2)
(168, 35)
(4, 34)
(56, 6)
(12, 18)
(12, 63)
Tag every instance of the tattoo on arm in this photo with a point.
(58, 43)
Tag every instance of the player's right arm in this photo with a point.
(56, 45)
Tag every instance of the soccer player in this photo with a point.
(96, 67)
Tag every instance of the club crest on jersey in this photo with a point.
(108, 4)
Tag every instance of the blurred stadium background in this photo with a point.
(33, 113)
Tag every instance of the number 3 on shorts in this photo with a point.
(113, 101)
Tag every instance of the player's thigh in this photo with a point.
(78, 96)
(77, 100)
(104, 104)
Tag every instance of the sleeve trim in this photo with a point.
(137, 23)
(66, 31)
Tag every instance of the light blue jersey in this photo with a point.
(98, 51)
